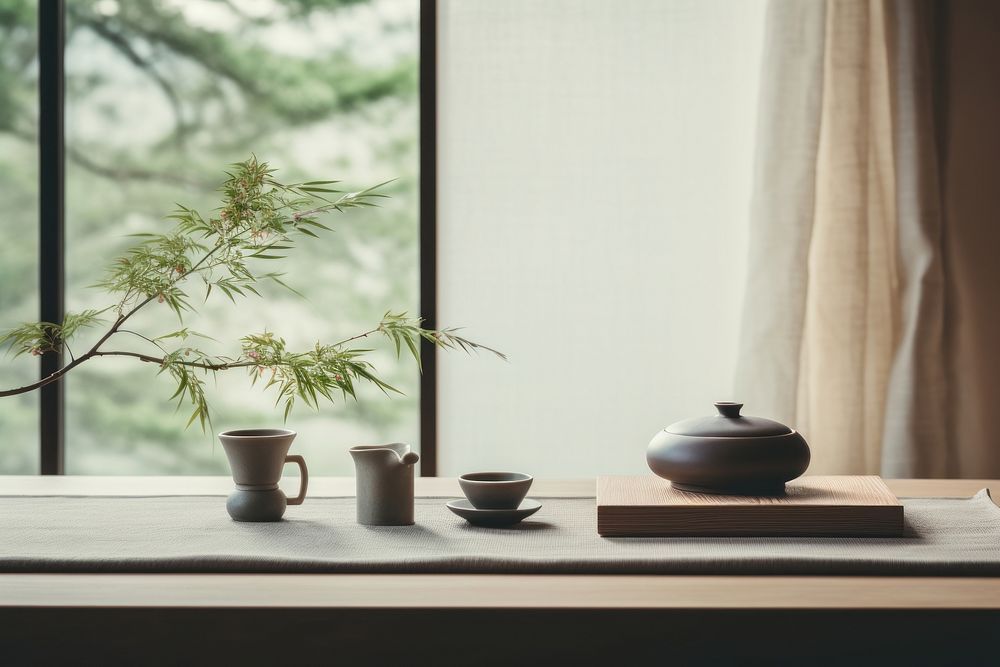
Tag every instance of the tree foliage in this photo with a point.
(319, 86)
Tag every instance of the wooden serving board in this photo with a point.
(841, 506)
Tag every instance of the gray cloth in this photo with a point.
(194, 534)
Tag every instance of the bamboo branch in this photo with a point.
(192, 364)
(253, 209)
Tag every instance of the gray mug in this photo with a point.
(256, 458)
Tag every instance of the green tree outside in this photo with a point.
(160, 95)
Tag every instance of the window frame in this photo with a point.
(51, 224)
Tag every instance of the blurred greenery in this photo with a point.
(159, 95)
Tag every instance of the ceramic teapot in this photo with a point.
(728, 453)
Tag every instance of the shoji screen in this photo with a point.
(594, 179)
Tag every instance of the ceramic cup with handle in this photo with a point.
(256, 458)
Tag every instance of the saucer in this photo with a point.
(493, 518)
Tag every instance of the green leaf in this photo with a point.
(312, 188)
(314, 223)
(415, 352)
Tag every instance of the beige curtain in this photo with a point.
(847, 331)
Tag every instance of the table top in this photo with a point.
(473, 591)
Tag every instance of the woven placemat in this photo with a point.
(944, 536)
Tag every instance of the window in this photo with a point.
(586, 184)
(159, 97)
(595, 160)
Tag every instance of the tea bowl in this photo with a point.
(495, 490)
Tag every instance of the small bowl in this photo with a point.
(495, 490)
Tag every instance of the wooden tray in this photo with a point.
(845, 506)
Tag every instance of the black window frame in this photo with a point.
(52, 227)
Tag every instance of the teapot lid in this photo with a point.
(729, 423)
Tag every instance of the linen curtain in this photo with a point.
(849, 328)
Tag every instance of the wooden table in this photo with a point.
(485, 619)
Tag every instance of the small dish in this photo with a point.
(494, 518)
(495, 490)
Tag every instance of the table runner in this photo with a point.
(194, 534)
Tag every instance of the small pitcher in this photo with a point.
(385, 484)
(256, 457)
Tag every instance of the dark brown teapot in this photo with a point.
(728, 454)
